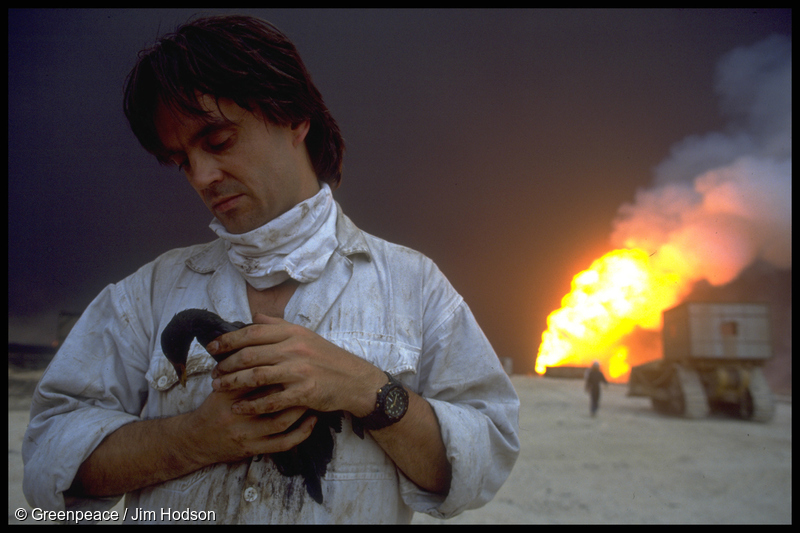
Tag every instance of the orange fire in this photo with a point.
(620, 291)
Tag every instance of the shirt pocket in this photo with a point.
(390, 355)
(174, 398)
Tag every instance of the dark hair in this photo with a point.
(242, 58)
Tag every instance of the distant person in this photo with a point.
(594, 377)
(340, 320)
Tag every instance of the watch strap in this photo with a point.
(378, 418)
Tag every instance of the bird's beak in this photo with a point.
(180, 369)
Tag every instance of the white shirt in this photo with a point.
(385, 303)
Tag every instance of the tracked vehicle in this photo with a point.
(713, 359)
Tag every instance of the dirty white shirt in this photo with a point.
(383, 302)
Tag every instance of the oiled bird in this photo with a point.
(311, 457)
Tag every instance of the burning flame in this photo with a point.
(720, 202)
(618, 292)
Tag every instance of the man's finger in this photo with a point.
(252, 335)
(286, 441)
(260, 318)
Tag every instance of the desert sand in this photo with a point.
(626, 465)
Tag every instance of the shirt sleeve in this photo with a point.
(94, 385)
(478, 412)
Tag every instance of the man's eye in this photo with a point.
(181, 164)
(219, 143)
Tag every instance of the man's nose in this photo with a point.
(203, 170)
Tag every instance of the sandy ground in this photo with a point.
(627, 465)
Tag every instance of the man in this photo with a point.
(594, 377)
(336, 314)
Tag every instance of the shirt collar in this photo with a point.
(213, 255)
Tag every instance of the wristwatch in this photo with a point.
(390, 406)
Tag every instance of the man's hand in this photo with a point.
(152, 451)
(221, 435)
(305, 370)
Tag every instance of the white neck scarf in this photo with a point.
(295, 245)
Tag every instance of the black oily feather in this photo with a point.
(185, 326)
(308, 459)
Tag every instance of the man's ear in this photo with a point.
(299, 132)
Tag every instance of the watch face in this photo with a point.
(396, 403)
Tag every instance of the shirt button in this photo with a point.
(250, 494)
(162, 381)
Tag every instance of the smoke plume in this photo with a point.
(722, 200)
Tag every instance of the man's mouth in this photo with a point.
(224, 204)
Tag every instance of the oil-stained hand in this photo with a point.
(311, 371)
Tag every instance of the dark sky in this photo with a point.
(499, 143)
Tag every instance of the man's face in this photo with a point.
(247, 171)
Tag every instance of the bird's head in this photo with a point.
(175, 342)
(183, 328)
